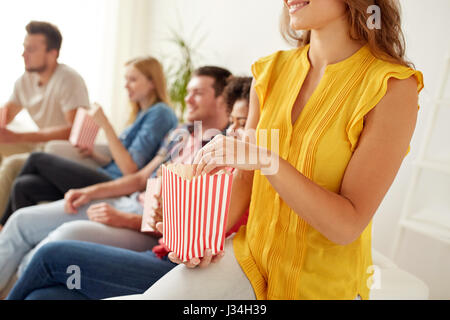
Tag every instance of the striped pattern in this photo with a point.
(150, 202)
(3, 117)
(195, 213)
(84, 130)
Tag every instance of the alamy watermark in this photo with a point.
(374, 20)
(249, 150)
(374, 281)
(74, 280)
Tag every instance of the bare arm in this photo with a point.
(119, 153)
(127, 184)
(371, 171)
(13, 111)
(48, 134)
(116, 188)
(106, 214)
(243, 180)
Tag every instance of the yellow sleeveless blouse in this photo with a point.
(282, 255)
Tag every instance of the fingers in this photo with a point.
(196, 262)
(217, 153)
(68, 204)
(206, 259)
(198, 159)
(209, 161)
(79, 202)
(211, 167)
(68, 208)
(193, 263)
(160, 227)
(100, 219)
(174, 258)
(218, 257)
(100, 205)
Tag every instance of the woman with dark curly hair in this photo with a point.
(237, 97)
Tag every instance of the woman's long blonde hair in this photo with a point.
(153, 70)
(387, 43)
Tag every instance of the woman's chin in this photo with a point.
(299, 25)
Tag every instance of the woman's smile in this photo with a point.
(296, 5)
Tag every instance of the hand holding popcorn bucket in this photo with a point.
(195, 211)
(84, 130)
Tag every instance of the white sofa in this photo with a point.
(395, 283)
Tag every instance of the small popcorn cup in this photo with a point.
(84, 130)
(195, 211)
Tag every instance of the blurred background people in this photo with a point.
(49, 91)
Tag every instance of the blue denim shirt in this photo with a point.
(144, 137)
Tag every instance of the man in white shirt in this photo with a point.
(49, 91)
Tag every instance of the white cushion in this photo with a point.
(394, 283)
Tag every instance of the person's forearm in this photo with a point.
(117, 188)
(12, 110)
(240, 196)
(119, 153)
(131, 221)
(329, 213)
(45, 135)
(127, 184)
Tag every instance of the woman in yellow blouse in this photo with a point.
(344, 104)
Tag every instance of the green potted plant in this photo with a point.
(179, 72)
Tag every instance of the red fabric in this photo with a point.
(161, 250)
(241, 222)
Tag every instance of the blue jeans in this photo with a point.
(104, 272)
(46, 177)
(29, 228)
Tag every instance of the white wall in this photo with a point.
(235, 33)
(426, 28)
(238, 32)
(83, 24)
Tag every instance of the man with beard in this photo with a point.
(49, 91)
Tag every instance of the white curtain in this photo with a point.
(129, 40)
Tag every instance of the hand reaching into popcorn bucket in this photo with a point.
(194, 211)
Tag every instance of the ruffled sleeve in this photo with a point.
(262, 71)
(376, 90)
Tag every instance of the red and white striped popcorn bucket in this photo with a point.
(3, 117)
(84, 130)
(150, 203)
(195, 212)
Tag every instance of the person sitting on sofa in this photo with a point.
(47, 177)
(49, 91)
(138, 270)
(111, 213)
